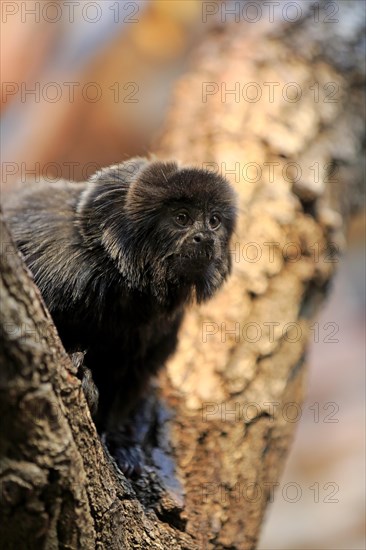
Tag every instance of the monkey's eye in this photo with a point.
(182, 219)
(215, 221)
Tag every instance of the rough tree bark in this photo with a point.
(212, 460)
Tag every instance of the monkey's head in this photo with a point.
(172, 232)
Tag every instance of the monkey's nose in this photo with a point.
(198, 238)
(202, 239)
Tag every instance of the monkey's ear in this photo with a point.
(151, 183)
(124, 173)
(155, 174)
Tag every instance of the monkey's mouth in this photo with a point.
(204, 256)
(193, 264)
(201, 256)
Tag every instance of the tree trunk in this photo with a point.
(279, 112)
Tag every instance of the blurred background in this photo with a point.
(88, 84)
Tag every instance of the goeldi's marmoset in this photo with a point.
(117, 259)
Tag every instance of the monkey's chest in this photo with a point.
(132, 326)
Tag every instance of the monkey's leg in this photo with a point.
(130, 423)
(121, 420)
(127, 442)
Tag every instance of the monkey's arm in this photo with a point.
(123, 381)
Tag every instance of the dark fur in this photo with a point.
(115, 269)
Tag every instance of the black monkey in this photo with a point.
(117, 259)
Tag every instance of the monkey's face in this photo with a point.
(182, 221)
(198, 240)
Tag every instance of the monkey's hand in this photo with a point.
(126, 451)
(90, 389)
(87, 383)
